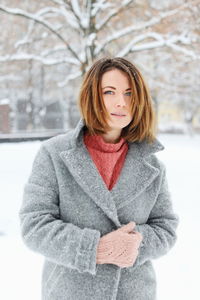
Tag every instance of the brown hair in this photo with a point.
(93, 110)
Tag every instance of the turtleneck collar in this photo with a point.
(97, 142)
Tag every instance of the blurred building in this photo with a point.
(4, 116)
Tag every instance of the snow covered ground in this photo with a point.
(177, 272)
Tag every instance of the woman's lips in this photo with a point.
(118, 116)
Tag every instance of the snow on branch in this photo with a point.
(38, 19)
(76, 9)
(80, 16)
(43, 60)
(132, 46)
(71, 19)
(56, 49)
(70, 77)
(52, 11)
(113, 12)
(160, 41)
(26, 39)
(100, 5)
(59, 2)
(130, 29)
(49, 10)
(178, 48)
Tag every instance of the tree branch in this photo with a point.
(75, 9)
(183, 50)
(100, 5)
(21, 13)
(59, 2)
(114, 12)
(70, 77)
(132, 46)
(25, 39)
(133, 28)
(56, 49)
(160, 41)
(45, 61)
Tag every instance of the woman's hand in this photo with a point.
(119, 247)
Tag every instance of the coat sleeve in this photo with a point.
(159, 232)
(43, 231)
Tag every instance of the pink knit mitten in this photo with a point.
(119, 247)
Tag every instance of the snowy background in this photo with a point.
(52, 44)
(177, 272)
(40, 72)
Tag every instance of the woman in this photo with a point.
(97, 204)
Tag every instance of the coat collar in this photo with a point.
(136, 175)
(144, 147)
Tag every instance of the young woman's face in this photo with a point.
(116, 92)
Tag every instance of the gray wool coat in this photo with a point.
(67, 207)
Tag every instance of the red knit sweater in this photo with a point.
(108, 158)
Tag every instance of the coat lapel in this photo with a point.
(135, 177)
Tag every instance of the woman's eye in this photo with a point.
(107, 92)
(110, 92)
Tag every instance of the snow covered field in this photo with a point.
(177, 272)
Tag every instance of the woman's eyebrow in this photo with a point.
(112, 87)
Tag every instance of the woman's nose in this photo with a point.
(121, 101)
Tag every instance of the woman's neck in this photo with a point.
(111, 137)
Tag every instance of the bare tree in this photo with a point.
(70, 35)
(85, 30)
